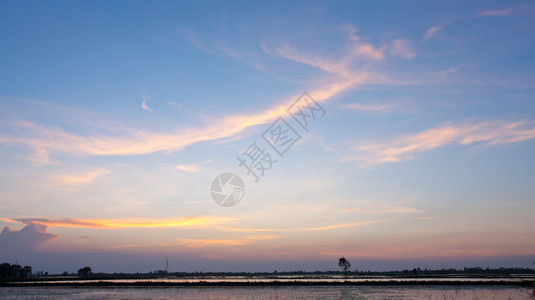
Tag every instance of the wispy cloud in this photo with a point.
(341, 65)
(406, 147)
(217, 47)
(68, 181)
(500, 12)
(128, 246)
(431, 32)
(192, 168)
(196, 221)
(175, 104)
(352, 67)
(145, 106)
(368, 51)
(361, 48)
(401, 48)
(199, 243)
(444, 73)
(374, 107)
(192, 38)
(338, 67)
(320, 228)
(46, 141)
(338, 226)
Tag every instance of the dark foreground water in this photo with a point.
(275, 292)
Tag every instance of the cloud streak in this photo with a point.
(345, 225)
(47, 141)
(374, 107)
(401, 48)
(191, 168)
(70, 181)
(320, 228)
(499, 13)
(363, 49)
(199, 243)
(431, 32)
(195, 221)
(406, 147)
(145, 106)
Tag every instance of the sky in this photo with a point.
(406, 133)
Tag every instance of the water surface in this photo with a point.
(271, 292)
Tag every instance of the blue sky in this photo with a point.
(117, 116)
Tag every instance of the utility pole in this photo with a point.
(167, 265)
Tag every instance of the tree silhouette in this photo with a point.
(16, 272)
(84, 272)
(26, 271)
(344, 264)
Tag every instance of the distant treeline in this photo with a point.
(16, 272)
(452, 271)
(413, 272)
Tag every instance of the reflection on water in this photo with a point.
(273, 292)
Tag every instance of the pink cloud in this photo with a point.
(431, 32)
(401, 48)
(406, 147)
(368, 51)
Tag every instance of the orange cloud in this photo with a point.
(337, 226)
(368, 51)
(8, 220)
(45, 141)
(127, 223)
(328, 227)
(344, 66)
(81, 179)
(405, 147)
(198, 243)
(360, 48)
(238, 229)
(128, 246)
(193, 168)
(70, 181)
